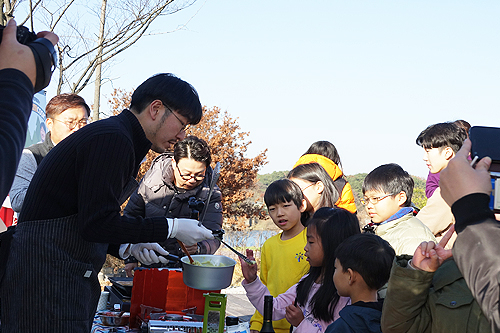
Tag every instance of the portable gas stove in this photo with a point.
(152, 321)
(120, 292)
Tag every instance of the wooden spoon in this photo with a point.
(183, 247)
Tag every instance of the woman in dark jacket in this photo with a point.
(168, 185)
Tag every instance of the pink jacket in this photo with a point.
(256, 291)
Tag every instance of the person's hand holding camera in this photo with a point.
(19, 56)
(459, 179)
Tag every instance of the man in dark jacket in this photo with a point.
(71, 212)
(166, 190)
(477, 247)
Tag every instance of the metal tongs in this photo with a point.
(218, 235)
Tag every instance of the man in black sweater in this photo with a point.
(477, 248)
(71, 212)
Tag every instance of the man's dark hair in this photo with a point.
(390, 178)
(369, 255)
(175, 93)
(325, 148)
(442, 135)
(463, 124)
(194, 148)
(60, 103)
(282, 191)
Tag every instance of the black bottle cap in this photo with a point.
(232, 320)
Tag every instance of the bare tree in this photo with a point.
(91, 32)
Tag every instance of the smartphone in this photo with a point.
(486, 142)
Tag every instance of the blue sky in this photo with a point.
(367, 76)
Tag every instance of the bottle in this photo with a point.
(267, 325)
(232, 324)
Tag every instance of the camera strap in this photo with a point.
(46, 61)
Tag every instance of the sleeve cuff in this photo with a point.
(471, 209)
(124, 251)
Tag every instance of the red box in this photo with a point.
(164, 289)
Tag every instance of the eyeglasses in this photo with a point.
(303, 189)
(374, 200)
(184, 126)
(188, 177)
(73, 123)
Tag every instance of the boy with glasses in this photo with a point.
(387, 192)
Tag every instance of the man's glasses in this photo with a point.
(374, 200)
(188, 177)
(184, 126)
(74, 123)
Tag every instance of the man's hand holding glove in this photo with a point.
(185, 230)
(146, 253)
(188, 231)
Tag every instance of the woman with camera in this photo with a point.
(166, 189)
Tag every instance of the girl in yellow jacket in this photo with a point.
(325, 154)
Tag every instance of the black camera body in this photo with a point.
(24, 35)
(486, 142)
(43, 52)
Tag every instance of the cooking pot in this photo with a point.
(207, 277)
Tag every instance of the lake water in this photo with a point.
(248, 238)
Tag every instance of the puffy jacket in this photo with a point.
(346, 198)
(476, 252)
(405, 234)
(424, 302)
(157, 196)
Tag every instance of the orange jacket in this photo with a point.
(346, 199)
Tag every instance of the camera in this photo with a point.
(486, 142)
(24, 35)
(43, 52)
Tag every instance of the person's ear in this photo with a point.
(351, 276)
(319, 187)
(449, 153)
(303, 207)
(401, 197)
(49, 122)
(154, 109)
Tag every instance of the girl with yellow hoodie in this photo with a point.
(325, 154)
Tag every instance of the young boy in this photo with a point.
(362, 266)
(282, 256)
(440, 142)
(387, 194)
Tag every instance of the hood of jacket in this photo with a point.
(330, 166)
